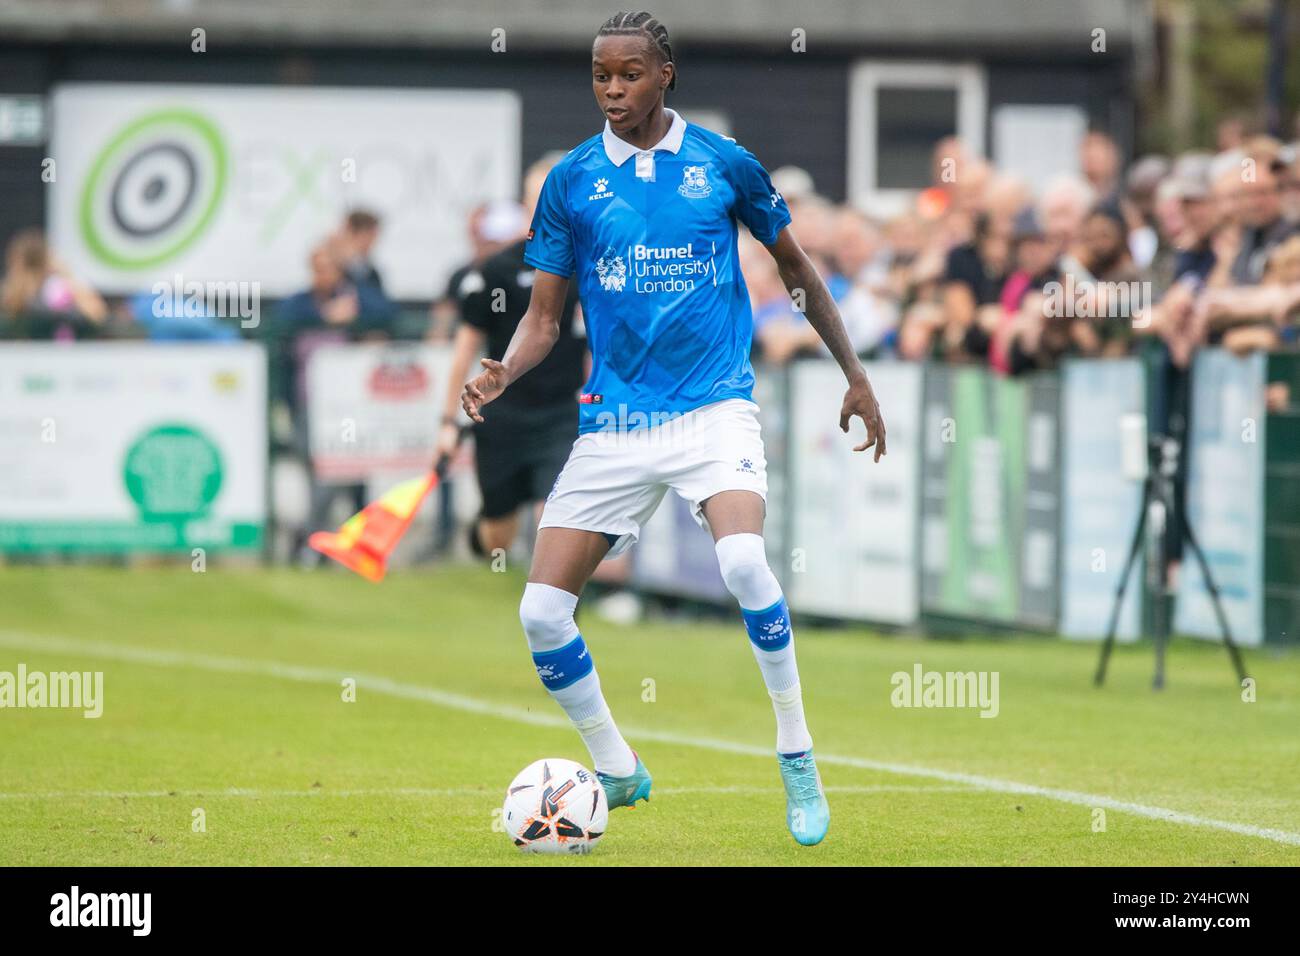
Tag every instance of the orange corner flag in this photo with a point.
(367, 538)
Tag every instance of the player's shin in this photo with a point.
(566, 670)
(743, 562)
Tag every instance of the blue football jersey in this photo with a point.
(651, 238)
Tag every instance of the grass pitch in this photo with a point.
(223, 694)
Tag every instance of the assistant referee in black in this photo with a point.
(520, 448)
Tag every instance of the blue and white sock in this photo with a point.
(567, 672)
(743, 562)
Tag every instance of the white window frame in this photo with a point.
(711, 118)
(868, 76)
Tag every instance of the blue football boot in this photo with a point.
(625, 791)
(807, 813)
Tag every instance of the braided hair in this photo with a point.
(645, 25)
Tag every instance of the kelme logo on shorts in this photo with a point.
(153, 189)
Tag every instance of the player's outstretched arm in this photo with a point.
(804, 284)
(533, 339)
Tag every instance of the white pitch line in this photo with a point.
(256, 794)
(250, 793)
(384, 685)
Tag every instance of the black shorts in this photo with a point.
(518, 453)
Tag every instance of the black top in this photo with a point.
(1198, 262)
(453, 283)
(965, 266)
(1256, 246)
(556, 379)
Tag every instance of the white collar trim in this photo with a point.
(620, 150)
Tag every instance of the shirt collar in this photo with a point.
(620, 150)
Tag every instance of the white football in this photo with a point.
(555, 806)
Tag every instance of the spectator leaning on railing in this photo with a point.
(1262, 225)
(972, 282)
(1033, 267)
(335, 301)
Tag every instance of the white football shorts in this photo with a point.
(614, 480)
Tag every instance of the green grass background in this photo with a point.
(194, 734)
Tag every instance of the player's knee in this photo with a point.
(742, 559)
(546, 614)
(744, 580)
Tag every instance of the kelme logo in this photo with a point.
(173, 473)
(153, 189)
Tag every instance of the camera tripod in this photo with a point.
(1159, 505)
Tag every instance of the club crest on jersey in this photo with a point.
(612, 271)
(602, 190)
(695, 183)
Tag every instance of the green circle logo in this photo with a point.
(153, 189)
(173, 473)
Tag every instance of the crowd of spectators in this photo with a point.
(41, 298)
(982, 267)
(1174, 252)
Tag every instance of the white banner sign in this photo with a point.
(238, 183)
(120, 446)
(854, 527)
(1225, 497)
(375, 408)
(1101, 506)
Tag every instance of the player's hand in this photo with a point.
(485, 387)
(861, 401)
